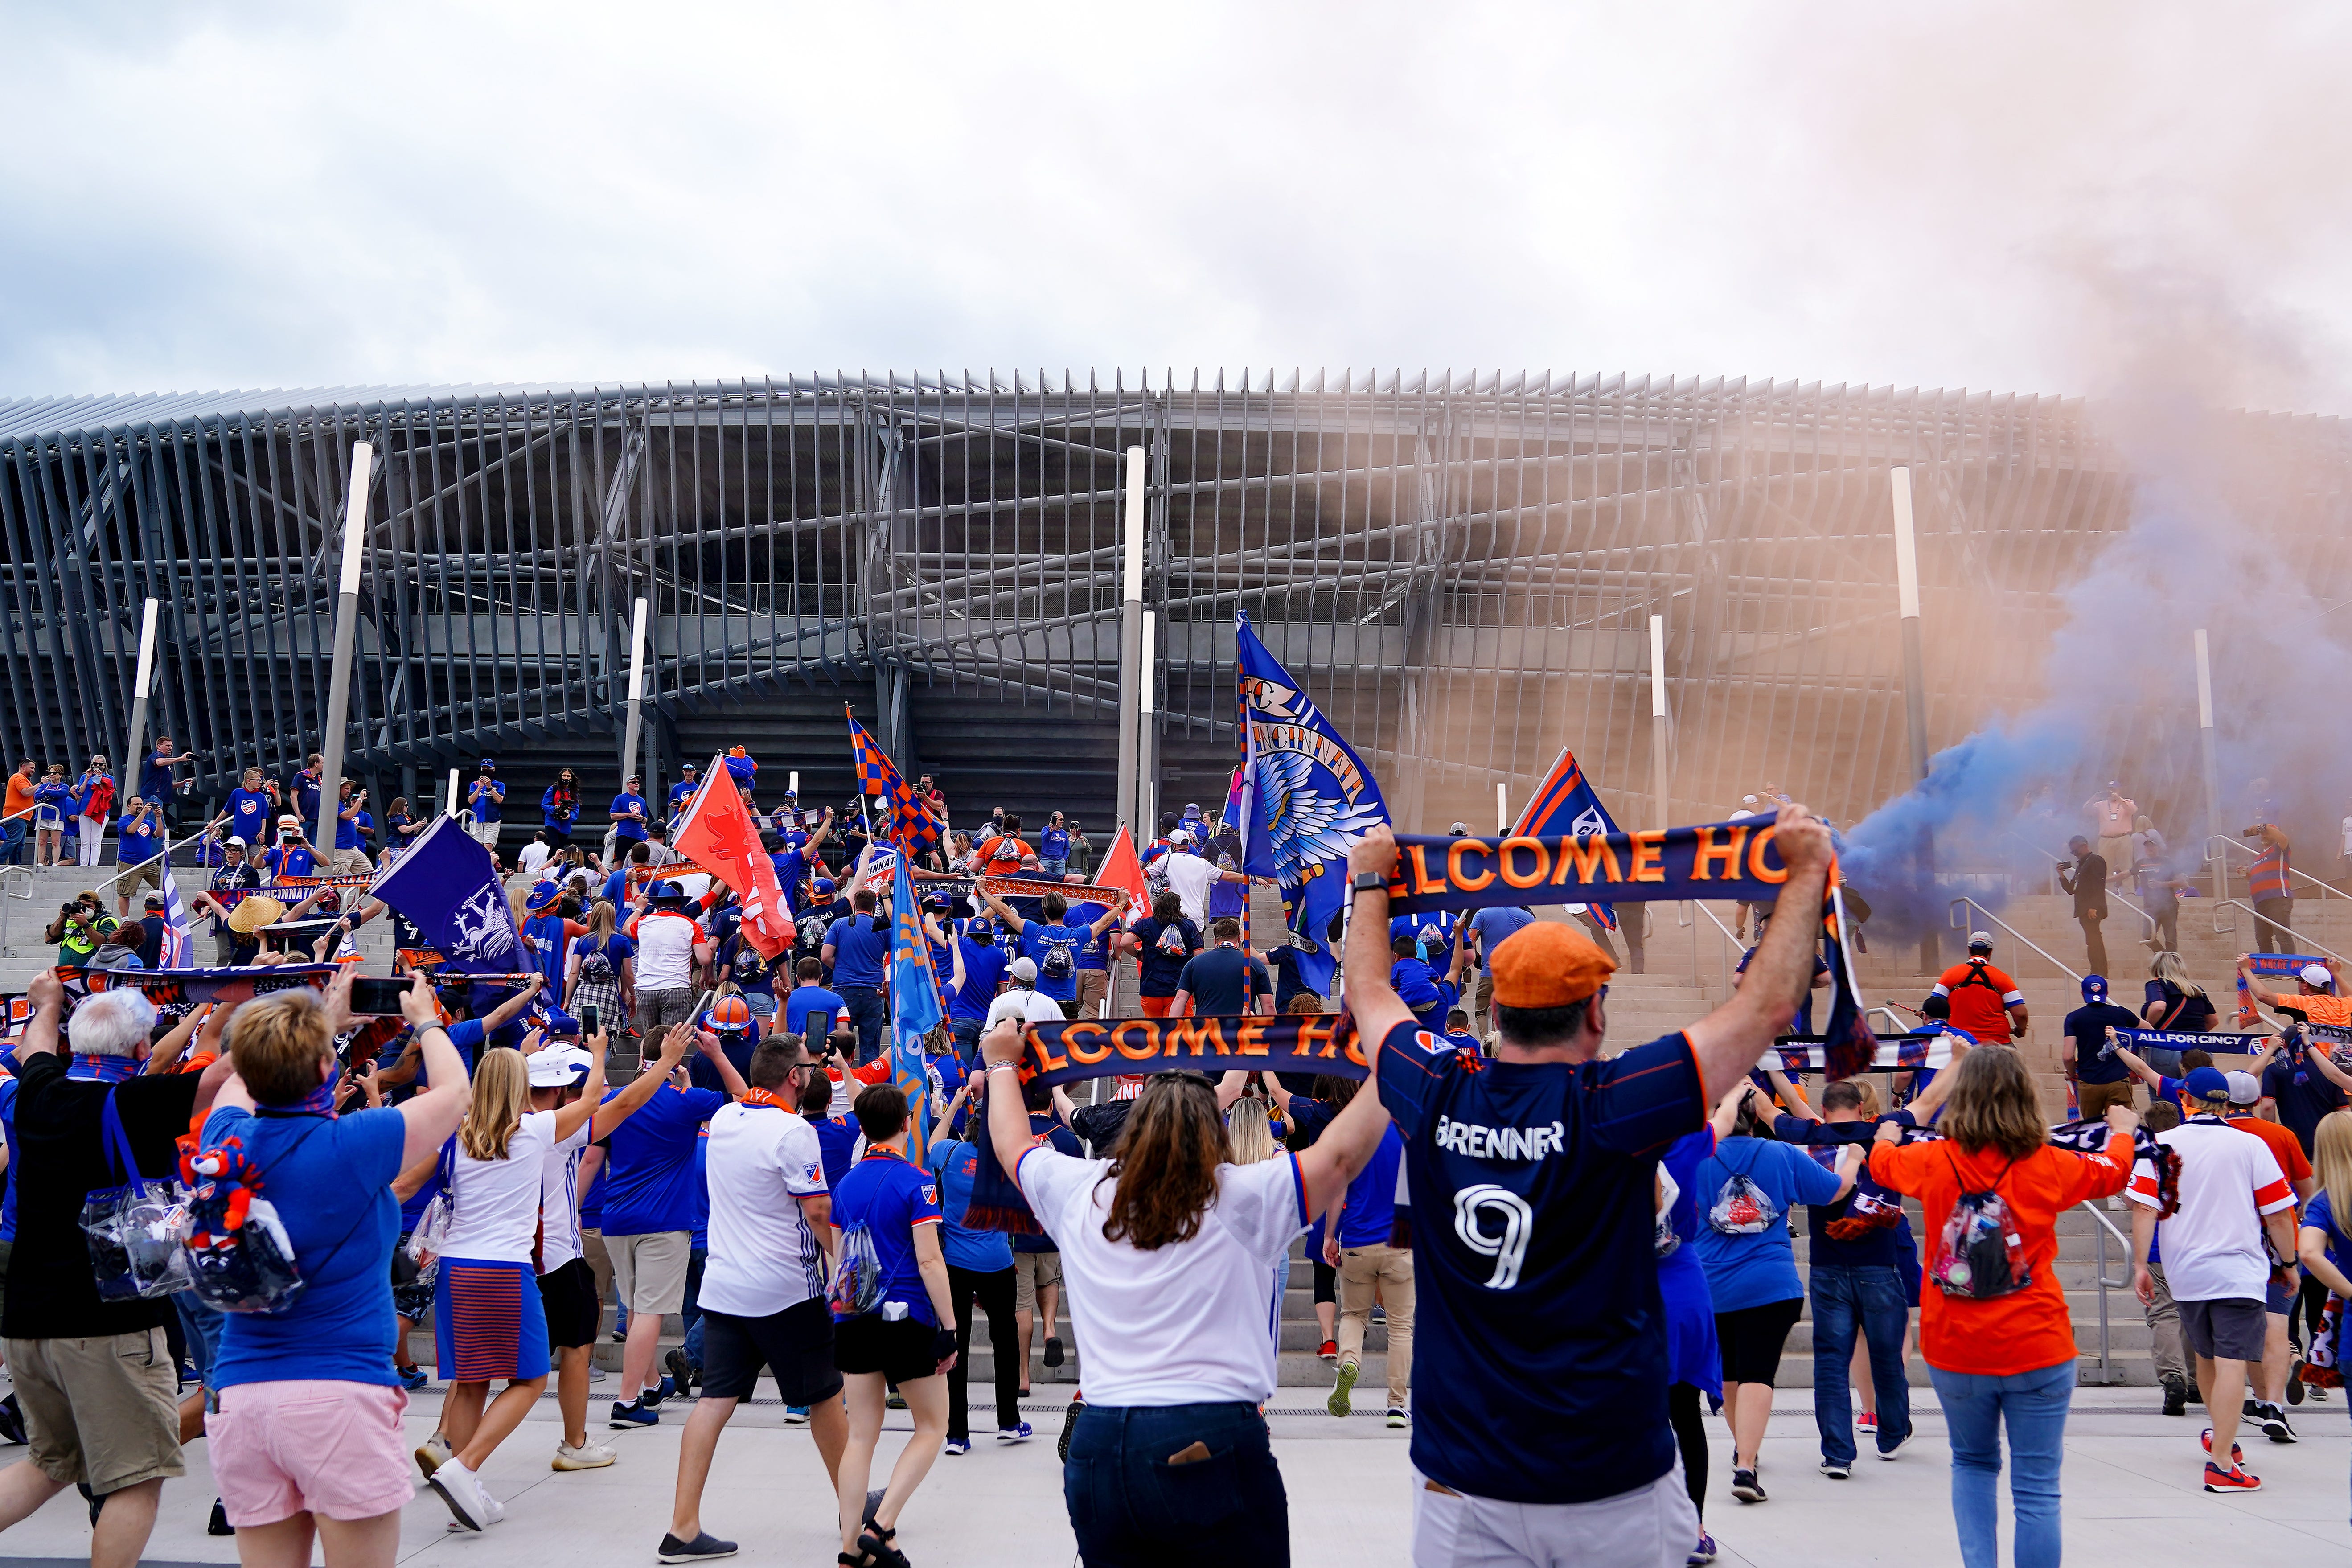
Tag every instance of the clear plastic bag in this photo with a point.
(250, 1268)
(133, 1230)
(858, 1280)
(1741, 1208)
(432, 1230)
(1980, 1255)
(1662, 1239)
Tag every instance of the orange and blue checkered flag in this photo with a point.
(905, 821)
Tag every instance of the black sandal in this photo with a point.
(875, 1543)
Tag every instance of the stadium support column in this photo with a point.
(1147, 736)
(2212, 766)
(637, 692)
(347, 630)
(127, 775)
(1661, 765)
(1134, 683)
(1914, 681)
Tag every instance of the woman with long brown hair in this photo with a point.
(1169, 1249)
(1994, 1327)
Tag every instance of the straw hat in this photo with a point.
(251, 914)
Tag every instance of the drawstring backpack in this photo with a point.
(858, 1280)
(1980, 1256)
(1741, 1207)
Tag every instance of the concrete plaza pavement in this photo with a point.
(2132, 1487)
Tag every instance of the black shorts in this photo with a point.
(1326, 1280)
(795, 1345)
(568, 1296)
(1751, 1339)
(900, 1351)
(2230, 1329)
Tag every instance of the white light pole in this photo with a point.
(141, 684)
(636, 691)
(1661, 769)
(1915, 678)
(347, 629)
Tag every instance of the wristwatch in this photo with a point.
(1367, 883)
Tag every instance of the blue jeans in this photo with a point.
(691, 1312)
(1054, 868)
(2034, 1405)
(1868, 1299)
(201, 1326)
(12, 840)
(1130, 1508)
(869, 1014)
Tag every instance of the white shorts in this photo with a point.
(1650, 1527)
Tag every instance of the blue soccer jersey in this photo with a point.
(1539, 1369)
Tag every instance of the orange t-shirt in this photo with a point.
(2027, 1330)
(1980, 1006)
(2284, 1147)
(19, 801)
(2321, 1008)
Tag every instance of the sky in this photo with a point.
(1991, 196)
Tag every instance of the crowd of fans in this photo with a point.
(1614, 1261)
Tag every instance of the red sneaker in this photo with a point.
(1330, 1350)
(2234, 1479)
(1866, 1421)
(2237, 1455)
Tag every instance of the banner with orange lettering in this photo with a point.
(1725, 860)
(1096, 1047)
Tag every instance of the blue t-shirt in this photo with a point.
(859, 952)
(616, 949)
(1053, 844)
(1433, 929)
(1090, 951)
(1752, 1270)
(295, 860)
(700, 1234)
(306, 796)
(1495, 925)
(8, 1137)
(890, 1198)
(138, 843)
(248, 815)
(482, 798)
(2088, 1027)
(330, 1180)
(679, 793)
(837, 1144)
(1367, 1218)
(548, 948)
(2303, 1097)
(1052, 947)
(1289, 966)
(347, 830)
(1883, 1248)
(792, 864)
(1541, 1360)
(2318, 1213)
(629, 828)
(983, 971)
(1222, 982)
(649, 1162)
(1419, 989)
(953, 1161)
(803, 1000)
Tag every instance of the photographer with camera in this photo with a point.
(81, 928)
(292, 856)
(306, 1439)
(350, 857)
(485, 798)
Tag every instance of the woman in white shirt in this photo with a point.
(1168, 1252)
(487, 1321)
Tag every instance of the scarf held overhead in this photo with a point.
(1082, 1048)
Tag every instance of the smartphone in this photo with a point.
(376, 996)
(590, 1022)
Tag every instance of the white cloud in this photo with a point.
(1970, 196)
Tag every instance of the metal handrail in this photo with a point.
(2228, 843)
(1723, 959)
(2108, 1374)
(2038, 849)
(2290, 931)
(1959, 924)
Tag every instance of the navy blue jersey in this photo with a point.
(1540, 1364)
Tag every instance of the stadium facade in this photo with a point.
(1459, 569)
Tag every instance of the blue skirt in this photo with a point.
(1691, 1356)
(488, 1322)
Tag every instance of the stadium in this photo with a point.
(1462, 569)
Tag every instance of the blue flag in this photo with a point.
(1306, 799)
(915, 1006)
(1562, 806)
(448, 886)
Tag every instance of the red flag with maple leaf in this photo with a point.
(1121, 869)
(718, 835)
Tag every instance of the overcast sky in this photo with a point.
(1992, 196)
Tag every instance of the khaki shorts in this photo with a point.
(351, 862)
(102, 1412)
(1094, 984)
(1032, 1272)
(148, 873)
(649, 1271)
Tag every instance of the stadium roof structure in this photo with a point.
(1459, 569)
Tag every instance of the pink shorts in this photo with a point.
(326, 1447)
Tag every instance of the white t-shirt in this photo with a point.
(534, 855)
(764, 1256)
(1023, 1007)
(2213, 1248)
(494, 1204)
(559, 1200)
(1189, 875)
(1185, 1324)
(666, 940)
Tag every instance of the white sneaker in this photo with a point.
(432, 1453)
(596, 1373)
(493, 1512)
(587, 1457)
(462, 1490)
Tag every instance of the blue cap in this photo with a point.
(689, 767)
(2207, 1083)
(488, 762)
(667, 891)
(2094, 988)
(825, 884)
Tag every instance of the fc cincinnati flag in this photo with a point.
(916, 1008)
(718, 835)
(447, 887)
(177, 949)
(905, 820)
(1565, 804)
(1307, 799)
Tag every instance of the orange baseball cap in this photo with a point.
(1548, 965)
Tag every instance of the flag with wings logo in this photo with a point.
(1306, 799)
(1565, 804)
